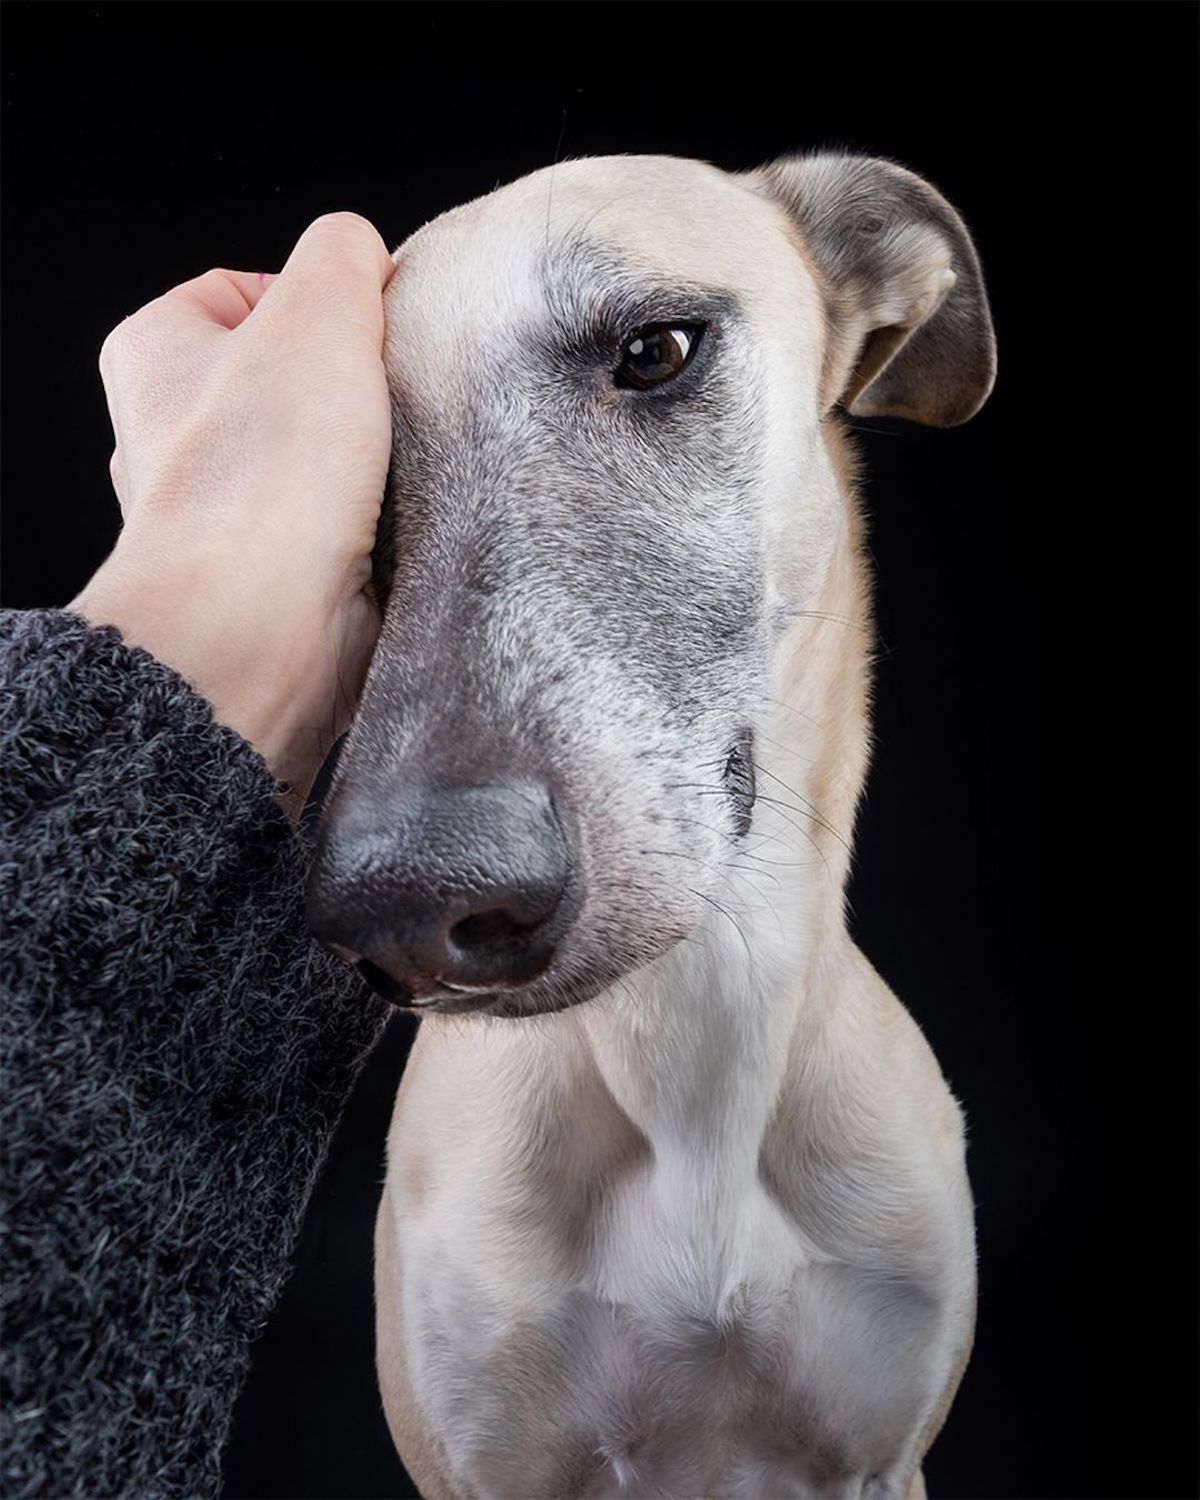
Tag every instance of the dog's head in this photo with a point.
(610, 500)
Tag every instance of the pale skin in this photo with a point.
(253, 430)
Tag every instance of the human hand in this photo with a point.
(253, 432)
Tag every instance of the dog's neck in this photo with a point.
(694, 1048)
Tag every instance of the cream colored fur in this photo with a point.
(709, 1235)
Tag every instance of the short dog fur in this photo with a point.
(685, 1213)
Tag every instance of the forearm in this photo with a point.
(177, 1052)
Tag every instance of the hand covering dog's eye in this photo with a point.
(657, 353)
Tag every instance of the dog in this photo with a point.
(676, 1201)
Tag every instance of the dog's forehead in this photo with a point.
(484, 267)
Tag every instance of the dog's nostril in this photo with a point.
(484, 929)
(448, 887)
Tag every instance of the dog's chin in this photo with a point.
(598, 961)
(536, 999)
(543, 996)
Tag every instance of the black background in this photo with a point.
(1026, 868)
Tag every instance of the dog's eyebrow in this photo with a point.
(593, 292)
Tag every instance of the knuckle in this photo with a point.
(128, 338)
(343, 236)
(343, 222)
(114, 346)
(218, 276)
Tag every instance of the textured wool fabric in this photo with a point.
(176, 1053)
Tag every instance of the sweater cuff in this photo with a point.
(110, 754)
(73, 690)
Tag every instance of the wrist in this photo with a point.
(250, 656)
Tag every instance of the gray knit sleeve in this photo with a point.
(176, 1052)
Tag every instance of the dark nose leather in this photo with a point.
(455, 886)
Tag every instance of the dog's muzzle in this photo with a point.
(442, 892)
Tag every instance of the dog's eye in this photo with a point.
(657, 353)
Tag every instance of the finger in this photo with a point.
(337, 270)
(220, 298)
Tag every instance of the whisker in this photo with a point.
(819, 614)
(557, 149)
(777, 803)
(696, 860)
(799, 712)
(786, 749)
(716, 905)
(780, 864)
(812, 813)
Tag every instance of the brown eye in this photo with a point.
(657, 353)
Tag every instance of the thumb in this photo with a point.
(335, 274)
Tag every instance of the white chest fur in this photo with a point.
(676, 1369)
(677, 1329)
(735, 1358)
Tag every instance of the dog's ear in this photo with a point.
(910, 333)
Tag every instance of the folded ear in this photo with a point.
(910, 333)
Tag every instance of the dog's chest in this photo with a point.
(714, 1355)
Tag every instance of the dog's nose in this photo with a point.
(444, 888)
